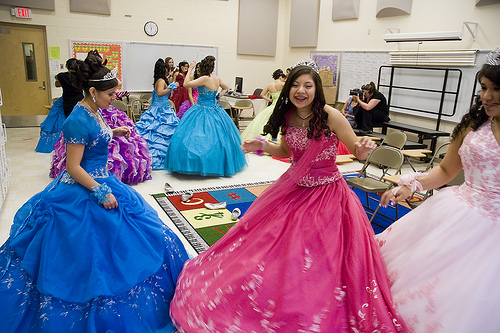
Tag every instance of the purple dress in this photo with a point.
(128, 158)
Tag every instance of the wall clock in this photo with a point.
(151, 28)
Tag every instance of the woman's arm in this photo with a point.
(190, 95)
(162, 88)
(264, 96)
(438, 176)
(367, 106)
(224, 87)
(344, 107)
(359, 147)
(254, 145)
(74, 154)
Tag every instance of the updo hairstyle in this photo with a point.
(207, 65)
(90, 73)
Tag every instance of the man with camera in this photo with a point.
(372, 108)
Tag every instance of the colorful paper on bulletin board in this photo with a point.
(54, 53)
(328, 61)
(110, 51)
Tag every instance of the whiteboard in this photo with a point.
(357, 69)
(139, 60)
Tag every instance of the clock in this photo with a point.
(150, 28)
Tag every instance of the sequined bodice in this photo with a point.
(480, 155)
(324, 169)
(206, 96)
(83, 128)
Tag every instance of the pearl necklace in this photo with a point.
(304, 118)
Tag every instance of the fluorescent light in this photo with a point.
(424, 36)
(430, 36)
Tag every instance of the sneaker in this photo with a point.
(219, 205)
(235, 214)
(168, 188)
(186, 196)
(365, 132)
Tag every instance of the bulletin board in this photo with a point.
(329, 61)
(111, 51)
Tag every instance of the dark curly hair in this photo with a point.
(182, 64)
(278, 73)
(92, 68)
(196, 69)
(477, 115)
(207, 65)
(160, 69)
(318, 125)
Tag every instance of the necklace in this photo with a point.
(304, 118)
(90, 108)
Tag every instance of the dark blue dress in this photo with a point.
(157, 125)
(206, 142)
(51, 127)
(70, 265)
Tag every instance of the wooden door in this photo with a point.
(24, 73)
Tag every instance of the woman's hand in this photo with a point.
(363, 147)
(122, 131)
(192, 65)
(395, 195)
(110, 202)
(249, 146)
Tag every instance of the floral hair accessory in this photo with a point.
(260, 152)
(101, 192)
(307, 62)
(493, 58)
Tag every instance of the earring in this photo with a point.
(93, 98)
(286, 100)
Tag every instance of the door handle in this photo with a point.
(43, 87)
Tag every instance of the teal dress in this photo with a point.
(70, 265)
(206, 142)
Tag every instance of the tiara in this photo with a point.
(307, 62)
(493, 58)
(112, 74)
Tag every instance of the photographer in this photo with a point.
(372, 108)
(349, 105)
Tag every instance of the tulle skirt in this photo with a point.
(442, 259)
(301, 261)
(206, 143)
(51, 127)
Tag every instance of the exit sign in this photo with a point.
(21, 12)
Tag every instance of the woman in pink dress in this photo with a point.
(303, 258)
(443, 257)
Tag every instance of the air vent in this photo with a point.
(434, 58)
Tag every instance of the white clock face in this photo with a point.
(151, 28)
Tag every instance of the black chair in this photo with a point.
(257, 91)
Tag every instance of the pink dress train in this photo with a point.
(303, 258)
(443, 257)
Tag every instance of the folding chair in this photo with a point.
(136, 110)
(395, 139)
(240, 106)
(389, 158)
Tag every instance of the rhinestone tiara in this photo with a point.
(112, 74)
(307, 62)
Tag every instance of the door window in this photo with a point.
(29, 61)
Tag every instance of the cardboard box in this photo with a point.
(326, 77)
(330, 94)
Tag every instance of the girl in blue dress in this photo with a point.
(206, 142)
(88, 254)
(158, 122)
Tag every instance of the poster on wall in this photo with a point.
(111, 51)
(328, 61)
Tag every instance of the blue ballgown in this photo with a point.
(206, 142)
(156, 126)
(51, 127)
(70, 265)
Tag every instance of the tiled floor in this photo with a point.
(29, 175)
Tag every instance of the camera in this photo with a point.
(356, 91)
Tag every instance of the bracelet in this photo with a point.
(101, 192)
(410, 180)
(260, 152)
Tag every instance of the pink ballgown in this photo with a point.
(303, 258)
(443, 257)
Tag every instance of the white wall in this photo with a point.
(215, 23)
